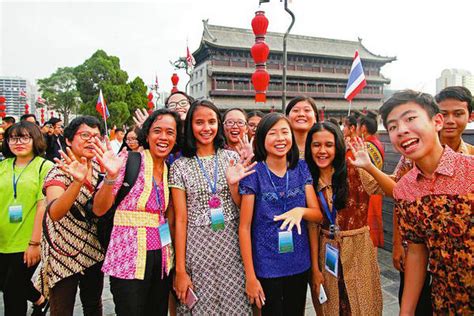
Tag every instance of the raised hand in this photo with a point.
(110, 162)
(237, 171)
(73, 167)
(361, 156)
(140, 117)
(245, 147)
(290, 219)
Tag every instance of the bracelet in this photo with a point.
(34, 243)
(110, 181)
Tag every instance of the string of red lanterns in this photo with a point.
(151, 105)
(42, 116)
(3, 106)
(27, 108)
(260, 52)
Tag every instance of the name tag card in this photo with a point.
(331, 260)
(285, 242)
(15, 213)
(217, 219)
(165, 236)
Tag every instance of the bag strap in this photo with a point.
(132, 169)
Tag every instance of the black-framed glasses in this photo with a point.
(179, 104)
(19, 139)
(87, 136)
(239, 123)
(131, 140)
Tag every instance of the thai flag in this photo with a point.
(356, 80)
(101, 107)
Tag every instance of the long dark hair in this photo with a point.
(340, 185)
(189, 143)
(267, 122)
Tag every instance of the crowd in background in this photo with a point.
(194, 211)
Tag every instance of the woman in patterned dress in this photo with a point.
(343, 194)
(204, 188)
(139, 256)
(70, 251)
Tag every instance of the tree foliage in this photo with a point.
(60, 92)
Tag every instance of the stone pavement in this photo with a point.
(389, 278)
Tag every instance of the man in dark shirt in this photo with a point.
(55, 141)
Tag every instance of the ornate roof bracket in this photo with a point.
(206, 30)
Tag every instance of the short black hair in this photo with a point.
(189, 143)
(339, 178)
(72, 128)
(25, 116)
(190, 98)
(54, 120)
(370, 122)
(333, 120)
(425, 100)
(24, 128)
(267, 122)
(298, 99)
(235, 109)
(145, 130)
(119, 129)
(256, 113)
(9, 119)
(351, 120)
(458, 93)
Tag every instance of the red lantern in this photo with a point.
(174, 81)
(42, 115)
(3, 114)
(3, 99)
(260, 52)
(259, 24)
(260, 80)
(150, 96)
(26, 108)
(3, 107)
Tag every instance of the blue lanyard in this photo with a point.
(284, 198)
(331, 216)
(213, 187)
(158, 201)
(15, 180)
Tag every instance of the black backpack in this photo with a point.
(106, 222)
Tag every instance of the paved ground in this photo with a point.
(389, 278)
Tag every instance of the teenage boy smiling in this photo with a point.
(434, 202)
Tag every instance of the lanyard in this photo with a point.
(213, 187)
(284, 198)
(158, 201)
(330, 216)
(15, 180)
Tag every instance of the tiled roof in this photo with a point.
(237, 38)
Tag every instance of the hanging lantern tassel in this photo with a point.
(260, 80)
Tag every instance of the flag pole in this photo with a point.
(104, 116)
(349, 112)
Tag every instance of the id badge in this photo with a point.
(331, 260)
(15, 213)
(285, 241)
(217, 219)
(165, 236)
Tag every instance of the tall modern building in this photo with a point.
(317, 67)
(11, 88)
(455, 77)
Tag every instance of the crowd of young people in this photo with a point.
(195, 212)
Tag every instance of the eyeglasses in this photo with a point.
(19, 140)
(179, 104)
(253, 125)
(87, 136)
(239, 123)
(131, 140)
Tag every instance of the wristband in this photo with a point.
(110, 181)
(33, 243)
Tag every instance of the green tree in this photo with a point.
(60, 91)
(102, 71)
(137, 97)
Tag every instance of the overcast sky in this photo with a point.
(37, 37)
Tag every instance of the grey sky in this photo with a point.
(37, 37)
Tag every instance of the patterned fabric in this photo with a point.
(186, 175)
(213, 259)
(374, 216)
(358, 287)
(357, 291)
(76, 244)
(268, 262)
(136, 224)
(437, 212)
(465, 148)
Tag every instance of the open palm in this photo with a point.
(361, 156)
(107, 158)
(237, 171)
(78, 169)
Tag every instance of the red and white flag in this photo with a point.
(190, 59)
(40, 100)
(101, 107)
(23, 94)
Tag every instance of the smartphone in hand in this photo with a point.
(191, 298)
(322, 294)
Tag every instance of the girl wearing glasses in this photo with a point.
(254, 118)
(235, 128)
(71, 253)
(204, 187)
(21, 211)
(130, 140)
(179, 102)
